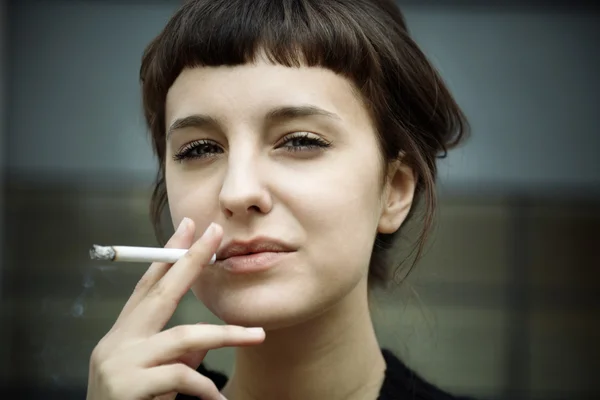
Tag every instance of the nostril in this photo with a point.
(254, 208)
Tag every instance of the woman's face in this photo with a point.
(286, 160)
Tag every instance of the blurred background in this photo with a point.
(504, 305)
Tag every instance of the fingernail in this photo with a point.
(183, 226)
(210, 231)
(255, 331)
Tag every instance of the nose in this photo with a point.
(244, 191)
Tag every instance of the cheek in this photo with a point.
(338, 207)
(191, 198)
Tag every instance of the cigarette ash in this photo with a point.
(102, 253)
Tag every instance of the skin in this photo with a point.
(326, 199)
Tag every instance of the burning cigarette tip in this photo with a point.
(106, 253)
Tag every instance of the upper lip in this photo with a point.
(258, 245)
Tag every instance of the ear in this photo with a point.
(397, 197)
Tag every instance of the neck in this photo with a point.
(333, 356)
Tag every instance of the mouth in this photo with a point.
(252, 256)
(252, 247)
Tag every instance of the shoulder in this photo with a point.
(402, 382)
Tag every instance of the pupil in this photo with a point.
(300, 142)
(203, 149)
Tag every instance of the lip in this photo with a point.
(256, 255)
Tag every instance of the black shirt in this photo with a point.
(400, 383)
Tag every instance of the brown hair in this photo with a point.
(366, 41)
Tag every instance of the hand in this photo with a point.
(136, 360)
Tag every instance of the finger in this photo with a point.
(158, 306)
(183, 239)
(194, 358)
(176, 378)
(172, 344)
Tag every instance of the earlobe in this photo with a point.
(397, 197)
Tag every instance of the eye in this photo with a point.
(303, 141)
(198, 149)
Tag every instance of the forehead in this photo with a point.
(253, 88)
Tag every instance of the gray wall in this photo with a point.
(506, 312)
(526, 78)
(3, 53)
(4, 337)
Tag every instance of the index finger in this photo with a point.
(158, 306)
(182, 238)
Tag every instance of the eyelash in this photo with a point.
(186, 151)
(308, 142)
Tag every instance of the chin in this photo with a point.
(268, 319)
(268, 305)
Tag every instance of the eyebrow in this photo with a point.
(193, 121)
(291, 112)
(279, 113)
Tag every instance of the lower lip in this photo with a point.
(252, 263)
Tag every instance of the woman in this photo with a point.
(298, 135)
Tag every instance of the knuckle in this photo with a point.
(96, 356)
(104, 368)
(108, 372)
(231, 331)
(183, 376)
(114, 389)
(182, 333)
(159, 292)
(99, 353)
(112, 380)
(163, 296)
(142, 284)
(104, 372)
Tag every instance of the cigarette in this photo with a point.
(138, 254)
